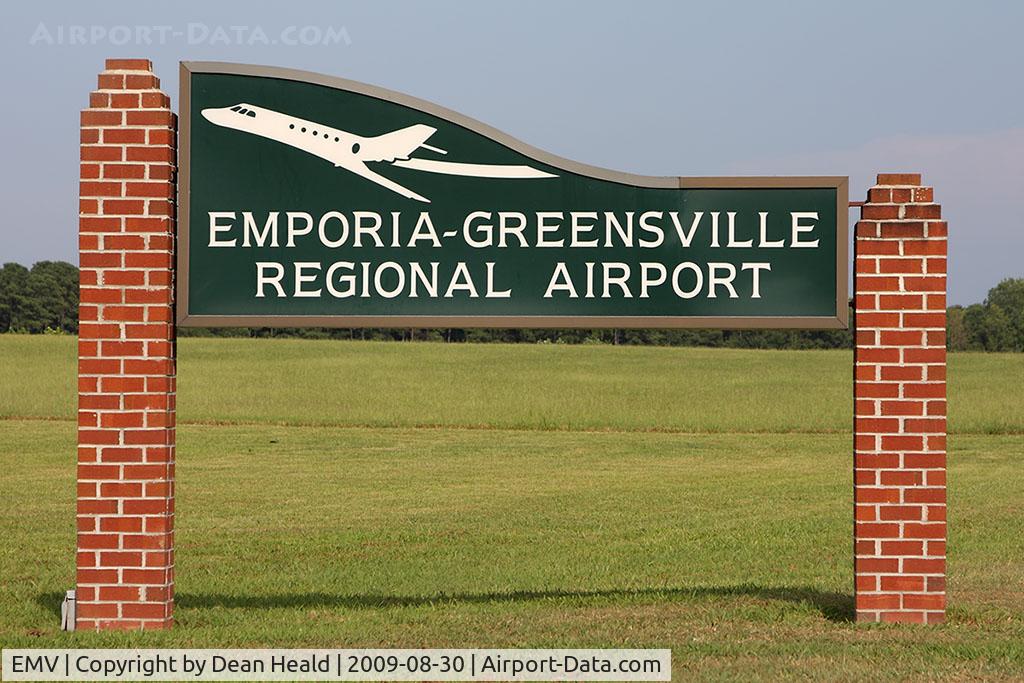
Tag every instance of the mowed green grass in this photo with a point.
(542, 525)
(321, 383)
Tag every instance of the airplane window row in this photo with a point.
(243, 110)
(327, 136)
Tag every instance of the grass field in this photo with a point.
(358, 494)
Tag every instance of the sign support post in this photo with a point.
(900, 404)
(126, 353)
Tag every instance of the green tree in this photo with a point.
(53, 290)
(989, 328)
(1008, 295)
(13, 286)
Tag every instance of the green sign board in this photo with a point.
(311, 200)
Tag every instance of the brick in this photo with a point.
(913, 390)
(145, 576)
(876, 495)
(159, 190)
(924, 461)
(100, 189)
(128, 65)
(876, 565)
(901, 265)
(126, 207)
(124, 278)
(145, 436)
(141, 82)
(899, 179)
(866, 229)
(122, 419)
(98, 541)
(102, 153)
(876, 389)
(879, 212)
(878, 248)
(924, 601)
(865, 266)
(156, 100)
(122, 455)
(918, 565)
(902, 372)
(120, 593)
(877, 355)
(124, 171)
(111, 81)
(912, 530)
(147, 224)
(123, 313)
(923, 247)
(900, 513)
(164, 154)
(880, 320)
(877, 602)
(900, 548)
(146, 541)
(923, 194)
(900, 302)
(903, 617)
(903, 229)
(902, 443)
(900, 478)
(120, 559)
(96, 610)
(924, 320)
(101, 118)
(902, 583)
(926, 425)
(121, 348)
(876, 460)
(902, 338)
(927, 211)
(94, 295)
(878, 284)
(122, 136)
(121, 524)
(98, 366)
(876, 425)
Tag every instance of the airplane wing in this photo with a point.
(397, 144)
(474, 170)
(360, 169)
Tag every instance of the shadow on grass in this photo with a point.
(837, 607)
(833, 606)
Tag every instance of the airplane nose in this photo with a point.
(213, 115)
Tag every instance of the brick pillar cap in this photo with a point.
(128, 65)
(899, 179)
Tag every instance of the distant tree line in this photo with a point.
(44, 299)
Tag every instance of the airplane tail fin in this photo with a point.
(396, 145)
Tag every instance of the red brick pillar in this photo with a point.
(126, 353)
(900, 404)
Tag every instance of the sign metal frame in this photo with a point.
(840, 183)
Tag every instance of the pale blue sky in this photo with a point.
(658, 88)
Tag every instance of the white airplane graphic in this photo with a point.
(352, 152)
